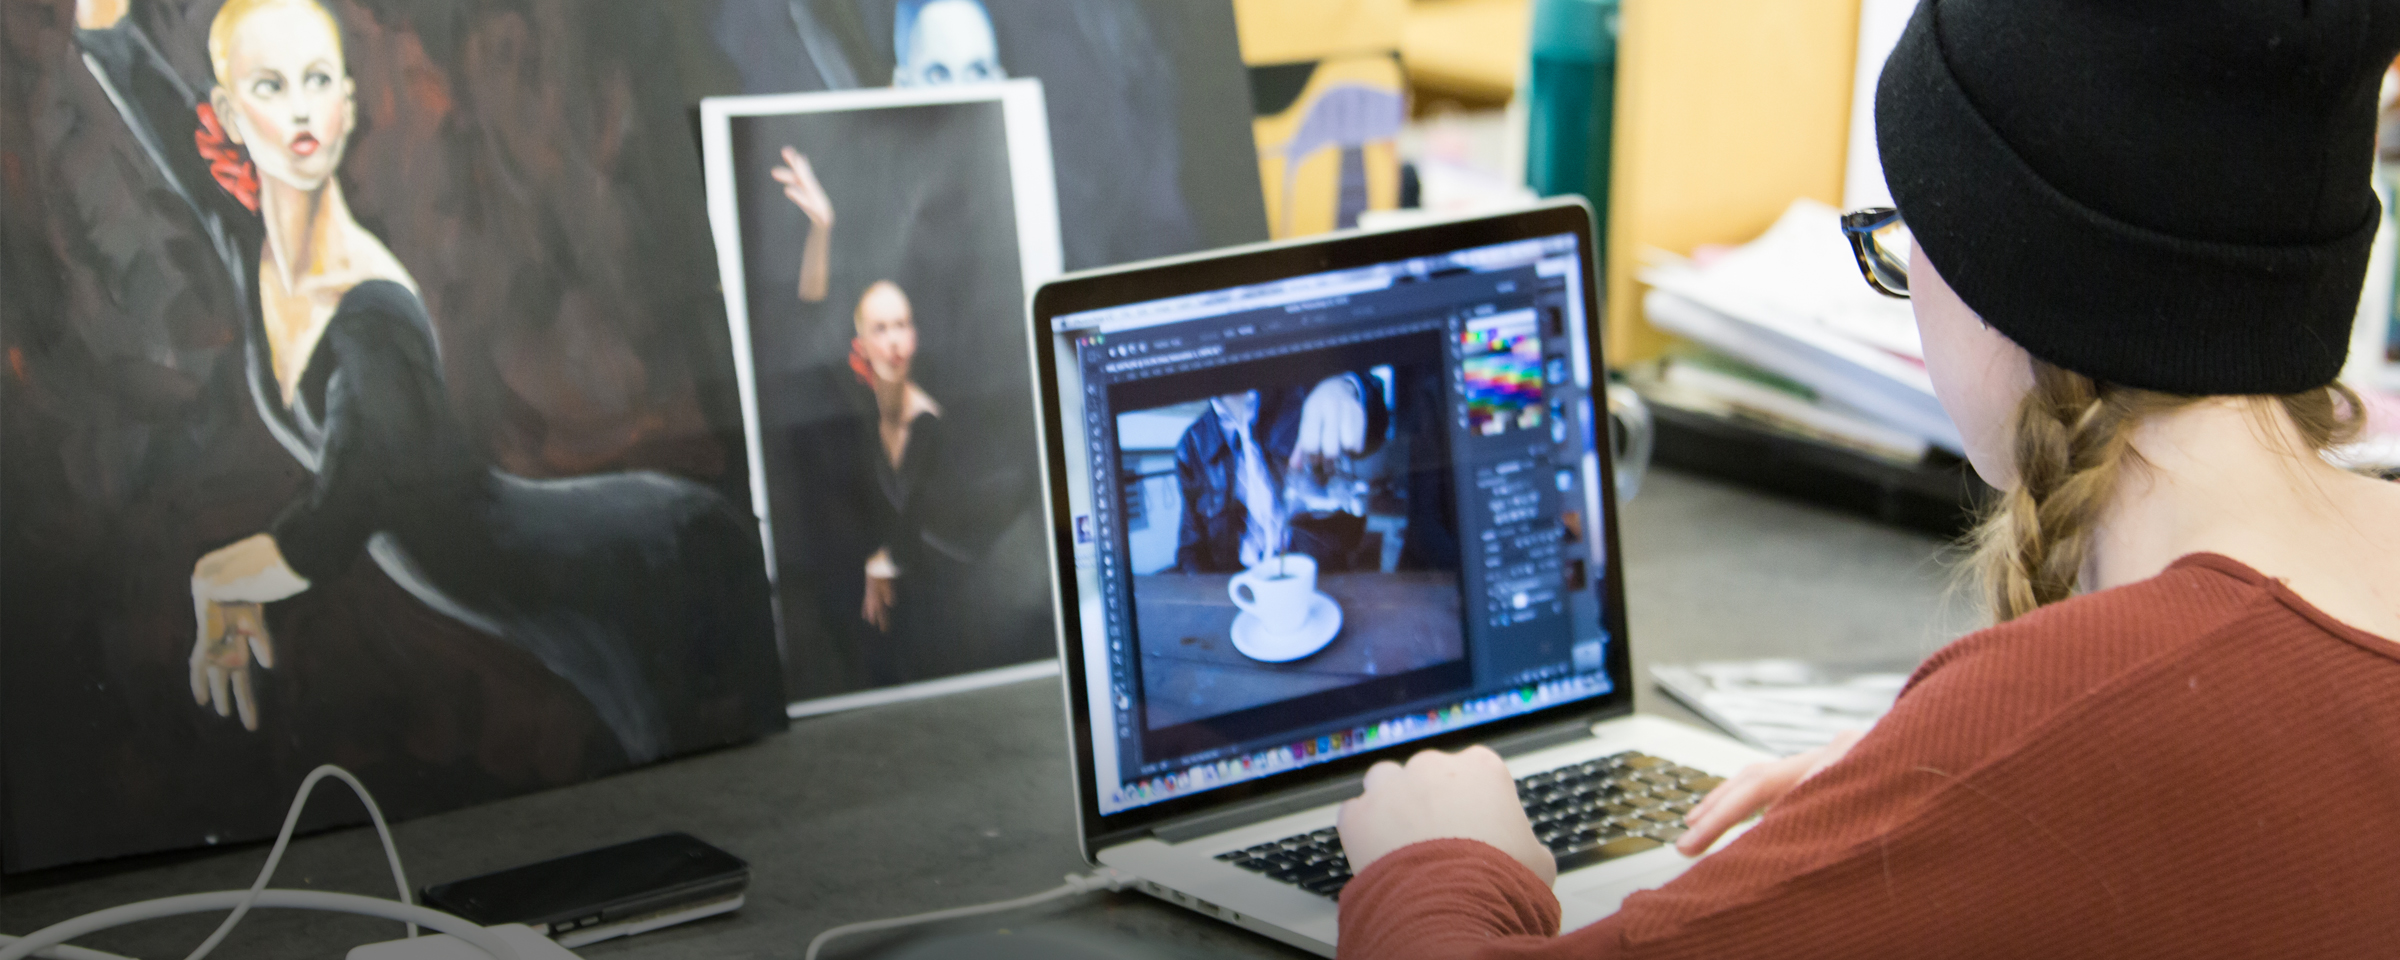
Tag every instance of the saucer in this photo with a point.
(1250, 636)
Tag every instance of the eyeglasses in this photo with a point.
(1880, 239)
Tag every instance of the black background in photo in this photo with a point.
(1420, 407)
(922, 197)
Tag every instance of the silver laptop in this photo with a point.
(1327, 502)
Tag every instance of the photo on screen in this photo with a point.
(1291, 533)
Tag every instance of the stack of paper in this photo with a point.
(1785, 706)
(1791, 303)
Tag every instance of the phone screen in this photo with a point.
(586, 882)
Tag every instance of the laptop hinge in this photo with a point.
(1246, 814)
(1336, 791)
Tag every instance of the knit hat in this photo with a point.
(2165, 194)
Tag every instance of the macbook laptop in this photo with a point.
(1327, 502)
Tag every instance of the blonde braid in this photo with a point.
(2073, 440)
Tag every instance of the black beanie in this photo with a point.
(2165, 194)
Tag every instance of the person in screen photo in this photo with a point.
(937, 42)
(1234, 461)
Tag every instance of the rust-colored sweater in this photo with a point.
(2198, 765)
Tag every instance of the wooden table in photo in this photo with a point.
(1392, 623)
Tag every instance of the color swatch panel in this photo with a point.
(1502, 368)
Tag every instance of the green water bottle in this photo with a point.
(1571, 100)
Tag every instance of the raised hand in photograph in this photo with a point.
(800, 184)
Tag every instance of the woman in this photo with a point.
(645, 592)
(2139, 236)
(906, 421)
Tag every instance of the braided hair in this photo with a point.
(2073, 443)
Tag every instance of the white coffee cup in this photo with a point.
(1278, 591)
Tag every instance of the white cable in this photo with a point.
(1076, 883)
(65, 930)
(291, 820)
(62, 952)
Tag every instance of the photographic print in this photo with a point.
(877, 247)
(1147, 100)
(367, 399)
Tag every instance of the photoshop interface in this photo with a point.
(1479, 471)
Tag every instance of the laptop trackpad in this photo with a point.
(1586, 896)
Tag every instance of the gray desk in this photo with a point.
(964, 799)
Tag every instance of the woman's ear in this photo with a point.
(222, 103)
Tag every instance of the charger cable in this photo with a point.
(240, 901)
(1104, 879)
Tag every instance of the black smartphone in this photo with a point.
(612, 891)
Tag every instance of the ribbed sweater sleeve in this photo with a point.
(2197, 765)
(1444, 898)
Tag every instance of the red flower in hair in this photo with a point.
(859, 366)
(227, 161)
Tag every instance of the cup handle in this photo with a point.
(1630, 437)
(1237, 587)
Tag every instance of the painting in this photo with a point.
(877, 247)
(367, 392)
(367, 399)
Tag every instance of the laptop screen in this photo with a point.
(1326, 514)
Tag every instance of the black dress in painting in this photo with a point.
(645, 592)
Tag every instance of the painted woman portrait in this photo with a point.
(646, 592)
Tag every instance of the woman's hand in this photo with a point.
(1754, 789)
(800, 184)
(876, 608)
(232, 636)
(1468, 795)
(228, 587)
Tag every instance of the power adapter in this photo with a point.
(530, 945)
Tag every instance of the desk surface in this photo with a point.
(964, 799)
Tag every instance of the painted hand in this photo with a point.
(799, 181)
(1468, 795)
(232, 637)
(1754, 789)
(228, 587)
(1333, 422)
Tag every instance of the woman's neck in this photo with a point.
(2218, 477)
(303, 227)
(891, 401)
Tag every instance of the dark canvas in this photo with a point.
(546, 429)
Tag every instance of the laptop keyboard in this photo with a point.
(1585, 813)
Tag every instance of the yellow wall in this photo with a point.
(1288, 31)
(1727, 110)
